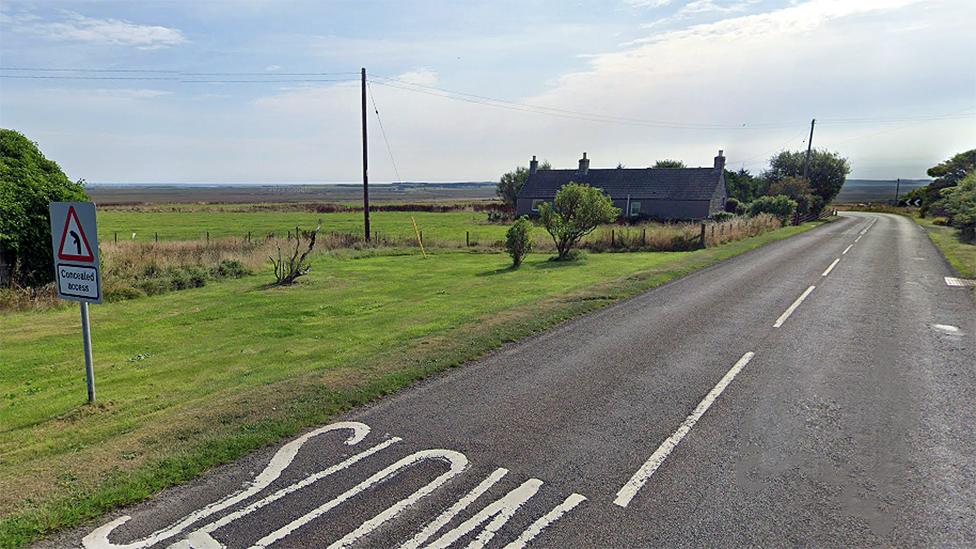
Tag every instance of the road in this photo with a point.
(817, 391)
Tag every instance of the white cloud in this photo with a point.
(647, 3)
(79, 28)
(272, 68)
(422, 77)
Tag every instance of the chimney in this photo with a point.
(533, 165)
(719, 161)
(584, 165)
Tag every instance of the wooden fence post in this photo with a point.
(208, 237)
(156, 235)
(467, 238)
(116, 237)
(644, 237)
(703, 235)
(611, 238)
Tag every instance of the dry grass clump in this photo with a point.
(21, 298)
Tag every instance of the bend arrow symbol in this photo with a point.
(74, 236)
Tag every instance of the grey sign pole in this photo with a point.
(77, 277)
(89, 369)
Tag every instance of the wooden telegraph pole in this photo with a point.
(806, 165)
(365, 164)
(897, 188)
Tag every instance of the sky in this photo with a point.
(268, 90)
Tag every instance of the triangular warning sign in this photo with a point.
(74, 244)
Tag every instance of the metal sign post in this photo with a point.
(77, 276)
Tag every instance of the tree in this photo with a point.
(799, 190)
(28, 182)
(669, 163)
(518, 240)
(959, 205)
(742, 185)
(779, 206)
(947, 174)
(511, 183)
(827, 172)
(577, 210)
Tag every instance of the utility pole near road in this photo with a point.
(365, 164)
(897, 188)
(806, 165)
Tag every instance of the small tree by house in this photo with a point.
(288, 267)
(576, 212)
(511, 183)
(518, 240)
(798, 189)
(780, 206)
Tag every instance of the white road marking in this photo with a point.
(201, 539)
(786, 314)
(539, 525)
(445, 517)
(458, 462)
(499, 512)
(636, 482)
(831, 268)
(858, 238)
(961, 282)
(98, 539)
(947, 328)
(847, 249)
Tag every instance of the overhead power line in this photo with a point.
(383, 132)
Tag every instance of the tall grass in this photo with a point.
(678, 237)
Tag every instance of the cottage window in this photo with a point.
(535, 204)
(634, 208)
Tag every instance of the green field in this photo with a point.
(194, 378)
(194, 225)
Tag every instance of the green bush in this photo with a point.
(121, 292)
(732, 205)
(722, 216)
(154, 286)
(779, 206)
(518, 240)
(28, 182)
(230, 268)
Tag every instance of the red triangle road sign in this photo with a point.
(74, 237)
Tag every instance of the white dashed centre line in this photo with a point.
(831, 268)
(786, 314)
(636, 482)
(847, 249)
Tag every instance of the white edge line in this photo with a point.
(786, 314)
(636, 482)
(831, 268)
(847, 249)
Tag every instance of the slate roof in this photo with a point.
(649, 183)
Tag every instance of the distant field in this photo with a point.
(876, 190)
(233, 194)
(193, 225)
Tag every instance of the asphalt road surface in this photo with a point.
(818, 391)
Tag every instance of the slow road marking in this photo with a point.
(640, 478)
(786, 314)
(189, 533)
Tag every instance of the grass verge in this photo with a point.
(961, 255)
(199, 378)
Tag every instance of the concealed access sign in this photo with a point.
(75, 242)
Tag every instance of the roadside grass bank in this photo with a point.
(194, 379)
(961, 255)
